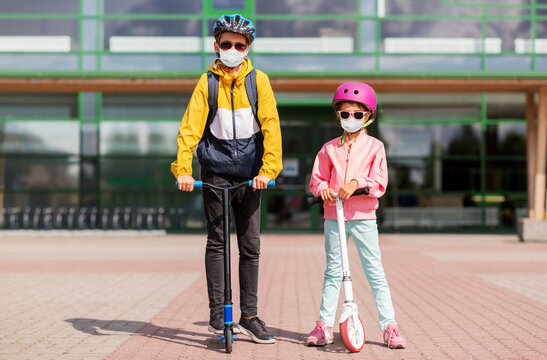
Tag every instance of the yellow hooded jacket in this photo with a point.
(234, 143)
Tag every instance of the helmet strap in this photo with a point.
(343, 138)
(369, 118)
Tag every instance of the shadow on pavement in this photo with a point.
(338, 348)
(190, 338)
(173, 335)
(300, 338)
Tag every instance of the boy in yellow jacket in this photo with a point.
(234, 146)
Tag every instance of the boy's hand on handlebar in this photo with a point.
(347, 190)
(260, 182)
(185, 182)
(327, 195)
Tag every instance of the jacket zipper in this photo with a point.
(234, 124)
(347, 163)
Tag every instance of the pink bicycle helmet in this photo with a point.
(356, 92)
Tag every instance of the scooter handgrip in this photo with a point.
(270, 183)
(197, 184)
(362, 191)
(316, 200)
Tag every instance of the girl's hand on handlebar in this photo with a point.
(185, 182)
(260, 182)
(327, 195)
(347, 190)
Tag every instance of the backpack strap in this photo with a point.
(252, 94)
(212, 98)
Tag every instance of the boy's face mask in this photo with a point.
(232, 58)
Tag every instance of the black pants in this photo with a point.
(245, 206)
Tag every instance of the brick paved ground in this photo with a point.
(455, 297)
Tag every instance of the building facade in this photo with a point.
(92, 93)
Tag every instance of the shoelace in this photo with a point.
(320, 331)
(317, 331)
(391, 332)
(262, 323)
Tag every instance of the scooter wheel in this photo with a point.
(228, 338)
(353, 334)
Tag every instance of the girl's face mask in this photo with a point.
(353, 121)
(351, 125)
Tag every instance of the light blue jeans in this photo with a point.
(365, 236)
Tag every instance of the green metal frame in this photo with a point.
(210, 13)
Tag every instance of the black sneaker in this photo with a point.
(256, 330)
(216, 325)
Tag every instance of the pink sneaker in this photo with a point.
(321, 335)
(392, 338)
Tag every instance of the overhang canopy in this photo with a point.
(170, 85)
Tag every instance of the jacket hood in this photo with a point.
(218, 68)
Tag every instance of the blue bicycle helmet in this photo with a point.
(234, 23)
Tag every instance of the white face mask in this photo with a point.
(232, 58)
(352, 125)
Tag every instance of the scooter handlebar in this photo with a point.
(199, 184)
(316, 200)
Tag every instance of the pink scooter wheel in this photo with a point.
(353, 334)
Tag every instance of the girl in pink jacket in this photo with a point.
(343, 165)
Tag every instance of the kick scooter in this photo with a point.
(228, 335)
(352, 330)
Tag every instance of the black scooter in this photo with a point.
(228, 336)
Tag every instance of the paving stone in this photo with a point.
(455, 297)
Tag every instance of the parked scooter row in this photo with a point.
(70, 218)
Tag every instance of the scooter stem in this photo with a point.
(346, 276)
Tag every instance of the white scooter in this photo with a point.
(352, 330)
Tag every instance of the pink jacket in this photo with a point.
(365, 161)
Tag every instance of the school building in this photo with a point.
(92, 93)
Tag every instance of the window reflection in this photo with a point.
(40, 137)
(134, 173)
(431, 7)
(431, 140)
(152, 6)
(430, 63)
(147, 106)
(506, 139)
(306, 7)
(41, 173)
(39, 6)
(138, 137)
(228, 4)
(411, 174)
(506, 175)
(144, 27)
(33, 62)
(41, 27)
(431, 28)
(42, 106)
(506, 106)
(119, 62)
(311, 63)
(306, 28)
